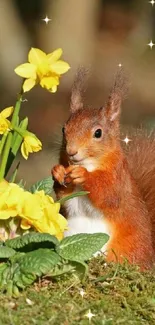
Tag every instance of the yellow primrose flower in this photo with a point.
(35, 210)
(44, 69)
(49, 221)
(30, 144)
(10, 199)
(4, 122)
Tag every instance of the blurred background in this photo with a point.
(99, 34)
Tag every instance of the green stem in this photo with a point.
(8, 138)
(2, 143)
(16, 110)
(5, 156)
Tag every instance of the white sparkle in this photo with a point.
(151, 44)
(120, 65)
(89, 315)
(82, 293)
(152, 2)
(126, 140)
(46, 20)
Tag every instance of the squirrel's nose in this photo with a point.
(71, 152)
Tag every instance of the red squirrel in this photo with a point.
(121, 185)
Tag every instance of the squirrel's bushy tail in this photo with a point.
(141, 159)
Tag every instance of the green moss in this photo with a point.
(115, 294)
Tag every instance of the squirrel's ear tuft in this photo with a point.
(78, 90)
(118, 93)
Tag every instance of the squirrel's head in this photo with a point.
(91, 133)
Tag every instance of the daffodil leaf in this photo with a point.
(38, 262)
(22, 183)
(68, 197)
(17, 138)
(45, 184)
(15, 144)
(6, 252)
(30, 241)
(81, 247)
(14, 174)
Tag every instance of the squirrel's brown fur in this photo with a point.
(120, 185)
(141, 159)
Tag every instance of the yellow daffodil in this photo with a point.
(4, 122)
(30, 144)
(44, 69)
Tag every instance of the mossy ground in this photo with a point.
(122, 295)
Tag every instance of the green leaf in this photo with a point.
(6, 252)
(31, 238)
(15, 144)
(38, 262)
(17, 138)
(71, 196)
(81, 247)
(65, 268)
(61, 269)
(22, 184)
(45, 184)
(14, 174)
(81, 269)
(15, 133)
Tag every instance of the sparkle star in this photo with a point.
(152, 2)
(127, 140)
(89, 315)
(151, 44)
(46, 20)
(82, 293)
(120, 65)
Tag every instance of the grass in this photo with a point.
(115, 294)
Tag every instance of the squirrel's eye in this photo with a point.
(98, 133)
(63, 130)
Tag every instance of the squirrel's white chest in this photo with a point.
(83, 217)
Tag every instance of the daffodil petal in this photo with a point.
(49, 82)
(7, 112)
(4, 125)
(36, 56)
(59, 67)
(33, 141)
(26, 70)
(54, 56)
(24, 151)
(54, 89)
(28, 84)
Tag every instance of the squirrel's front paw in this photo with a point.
(76, 174)
(59, 173)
